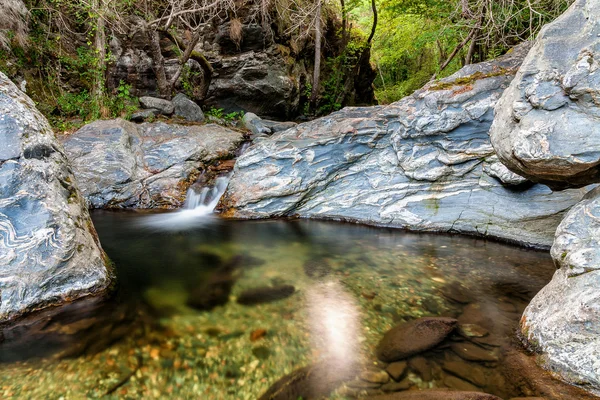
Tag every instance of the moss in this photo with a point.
(468, 80)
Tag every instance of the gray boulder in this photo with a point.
(562, 322)
(254, 124)
(424, 163)
(164, 107)
(277, 126)
(187, 109)
(546, 126)
(49, 250)
(120, 164)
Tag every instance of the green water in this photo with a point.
(148, 343)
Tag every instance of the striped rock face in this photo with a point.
(423, 163)
(49, 251)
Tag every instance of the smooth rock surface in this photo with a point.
(562, 322)
(187, 109)
(547, 122)
(413, 337)
(255, 125)
(49, 250)
(419, 164)
(119, 164)
(162, 106)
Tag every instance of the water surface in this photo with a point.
(176, 328)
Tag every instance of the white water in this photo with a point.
(198, 208)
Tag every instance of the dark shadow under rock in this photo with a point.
(317, 268)
(216, 290)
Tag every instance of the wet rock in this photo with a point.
(164, 107)
(413, 337)
(472, 352)
(187, 109)
(456, 383)
(215, 292)
(362, 384)
(422, 367)
(436, 394)
(118, 164)
(466, 371)
(471, 331)
(309, 383)
(526, 398)
(537, 131)
(374, 376)
(490, 340)
(416, 164)
(475, 315)
(397, 369)
(257, 334)
(456, 293)
(562, 322)
(316, 268)
(397, 386)
(265, 294)
(49, 249)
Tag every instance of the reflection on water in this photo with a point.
(227, 309)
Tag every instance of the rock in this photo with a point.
(422, 367)
(397, 370)
(397, 386)
(562, 322)
(493, 167)
(312, 382)
(472, 352)
(255, 125)
(540, 120)
(466, 371)
(474, 314)
(416, 164)
(143, 115)
(265, 294)
(471, 331)
(456, 293)
(374, 376)
(455, 382)
(118, 164)
(436, 394)
(276, 126)
(164, 107)
(216, 290)
(361, 384)
(49, 251)
(187, 109)
(413, 337)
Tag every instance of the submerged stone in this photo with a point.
(414, 337)
(436, 394)
(265, 294)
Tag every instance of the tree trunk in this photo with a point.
(159, 65)
(100, 46)
(317, 70)
(185, 57)
(207, 69)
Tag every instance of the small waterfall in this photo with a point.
(198, 208)
(208, 197)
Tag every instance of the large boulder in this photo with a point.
(120, 164)
(424, 163)
(546, 126)
(49, 250)
(562, 322)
